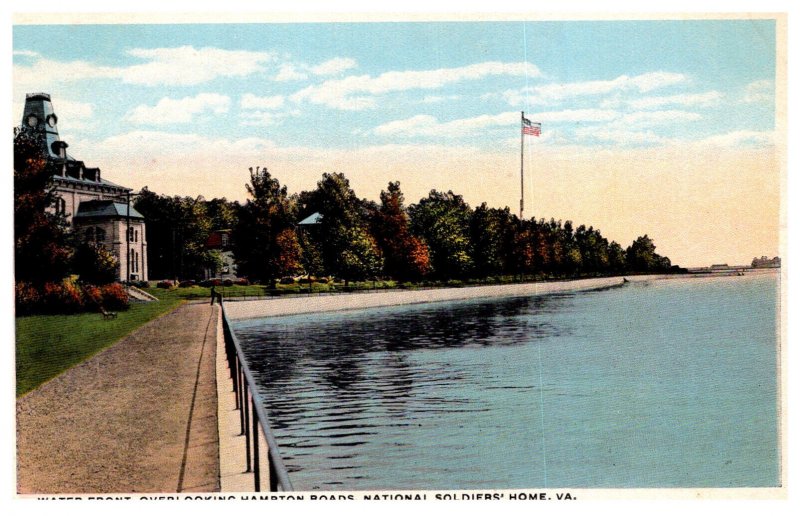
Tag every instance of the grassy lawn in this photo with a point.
(198, 292)
(48, 345)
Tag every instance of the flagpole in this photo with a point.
(522, 166)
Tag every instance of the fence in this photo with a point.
(252, 415)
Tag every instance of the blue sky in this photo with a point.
(635, 114)
(344, 84)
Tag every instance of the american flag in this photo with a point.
(531, 128)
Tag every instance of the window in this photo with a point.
(61, 206)
(136, 235)
(130, 234)
(99, 235)
(90, 234)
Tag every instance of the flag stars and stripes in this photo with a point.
(531, 128)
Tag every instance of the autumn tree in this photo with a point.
(405, 256)
(265, 243)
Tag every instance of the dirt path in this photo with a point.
(140, 416)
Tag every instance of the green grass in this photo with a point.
(48, 345)
(197, 292)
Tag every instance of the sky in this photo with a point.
(658, 127)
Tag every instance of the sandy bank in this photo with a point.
(329, 303)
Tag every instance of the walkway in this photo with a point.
(140, 416)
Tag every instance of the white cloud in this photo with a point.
(301, 71)
(623, 137)
(736, 139)
(178, 66)
(250, 101)
(650, 118)
(289, 72)
(359, 92)
(26, 53)
(262, 118)
(759, 91)
(434, 99)
(427, 125)
(334, 66)
(574, 115)
(174, 111)
(554, 92)
(709, 98)
(186, 65)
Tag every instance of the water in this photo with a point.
(668, 383)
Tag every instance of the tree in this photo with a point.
(177, 231)
(265, 243)
(492, 240)
(94, 264)
(641, 256)
(406, 257)
(442, 221)
(347, 248)
(223, 213)
(42, 250)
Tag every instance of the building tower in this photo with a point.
(97, 210)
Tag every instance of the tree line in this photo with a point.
(438, 238)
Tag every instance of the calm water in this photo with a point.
(668, 383)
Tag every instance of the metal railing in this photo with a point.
(252, 415)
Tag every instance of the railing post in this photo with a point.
(247, 432)
(273, 474)
(256, 463)
(242, 401)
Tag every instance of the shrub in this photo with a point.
(165, 284)
(114, 296)
(455, 283)
(228, 283)
(242, 281)
(92, 296)
(287, 280)
(28, 299)
(322, 280)
(141, 284)
(62, 298)
(187, 283)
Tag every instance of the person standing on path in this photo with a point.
(213, 293)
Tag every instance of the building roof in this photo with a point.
(103, 182)
(106, 209)
(314, 218)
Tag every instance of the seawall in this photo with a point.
(354, 301)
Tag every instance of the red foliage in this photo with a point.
(92, 296)
(27, 297)
(114, 296)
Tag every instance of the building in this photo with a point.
(220, 240)
(97, 210)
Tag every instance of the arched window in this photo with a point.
(61, 206)
(136, 235)
(99, 235)
(130, 234)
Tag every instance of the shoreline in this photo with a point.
(274, 307)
